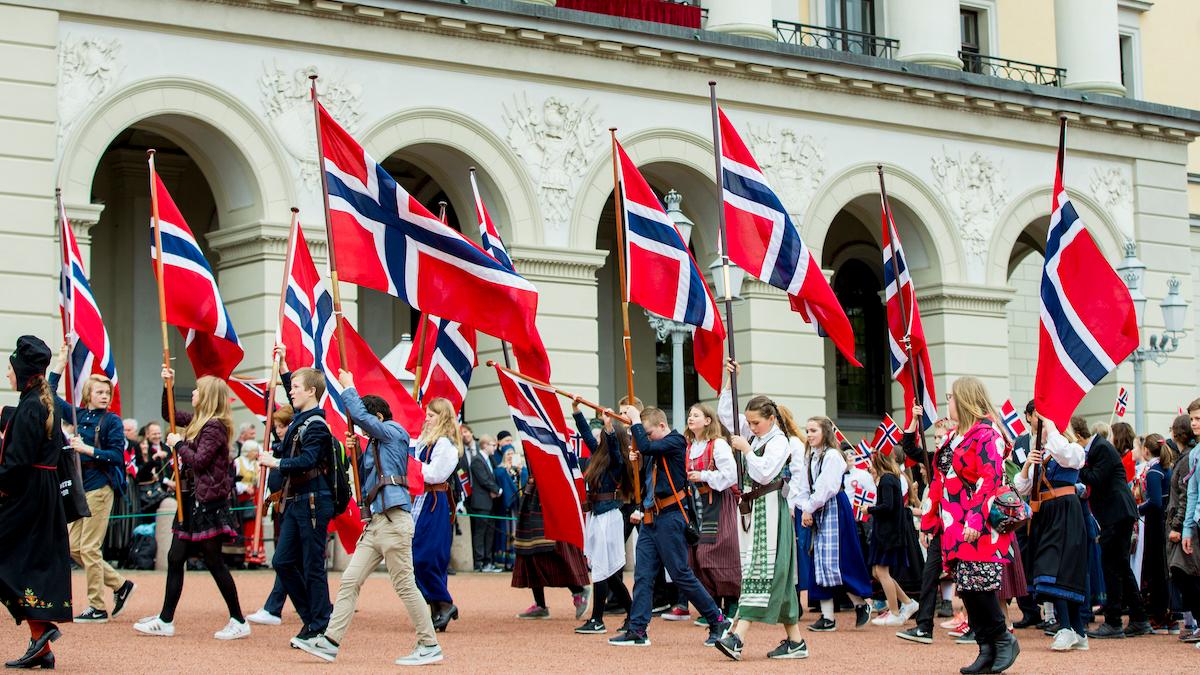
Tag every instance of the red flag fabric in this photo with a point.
(448, 357)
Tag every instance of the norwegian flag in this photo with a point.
(1011, 420)
(1088, 323)
(543, 431)
(900, 325)
(575, 441)
(388, 241)
(887, 435)
(193, 300)
(661, 274)
(492, 243)
(252, 392)
(448, 357)
(841, 438)
(1122, 402)
(764, 242)
(862, 499)
(91, 352)
(464, 479)
(309, 332)
(862, 456)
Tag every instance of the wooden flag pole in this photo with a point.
(422, 326)
(166, 345)
(479, 200)
(723, 252)
(561, 392)
(912, 364)
(351, 438)
(626, 340)
(68, 319)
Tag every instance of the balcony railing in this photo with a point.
(1009, 69)
(836, 38)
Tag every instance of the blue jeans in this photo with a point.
(661, 544)
(300, 558)
(274, 603)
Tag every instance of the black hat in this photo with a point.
(503, 435)
(32, 357)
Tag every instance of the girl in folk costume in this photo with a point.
(887, 553)
(1157, 490)
(604, 532)
(543, 562)
(765, 537)
(835, 559)
(246, 467)
(202, 451)
(1184, 561)
(35, 576)
(713, 470)
(439, 449)
(1057, 546)
(966, 477)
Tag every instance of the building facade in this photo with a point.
(948, 96)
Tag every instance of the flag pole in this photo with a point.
(162, 315)
(479, 200)
(561, 392)
(68, 308)
(912, 364)
(723, 252)
(626, 340)
(264, 472)
(339, 317)
(422, 326)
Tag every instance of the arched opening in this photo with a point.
(1025, 277)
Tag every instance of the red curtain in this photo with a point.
(659, 11)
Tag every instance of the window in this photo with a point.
(1128, 47)
(855, 15)
(968, 20)
(862, 391)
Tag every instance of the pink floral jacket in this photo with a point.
(963, 497)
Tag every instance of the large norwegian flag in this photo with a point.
(91, 353)
(543, 431)
(900, 325)
(492, 243)
(448, 357)
(661, 274)
(252, 392)
(764, 242)
(386, 240)
(193, 300)
(309, 332)
(1088, 322)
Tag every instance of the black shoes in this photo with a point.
(592, 627)
(630, 638)
(38, 655)
(983, 662)
(1006, 650)
(1028, 621)
(789, 650)
(1138, 628)
(121, 596)
(823, 625)
(717, 631)
(917, 634)
(1107, 631)
(92, 615)
(862, 614)
(440, 621)
(731, 646)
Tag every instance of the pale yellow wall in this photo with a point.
(1025, 31)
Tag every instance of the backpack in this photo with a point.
(336, 468)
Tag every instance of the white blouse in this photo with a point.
(778, 451)
(725, 475)
(1068, 455)
(827, 470)
(442, 461)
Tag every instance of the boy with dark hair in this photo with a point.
(662, 542)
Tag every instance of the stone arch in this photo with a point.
(442, 141)
(245, 165)
(929, 216)
(649, 146)
(1034, 205)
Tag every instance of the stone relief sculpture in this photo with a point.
(285, 100)
(557, 140)
(87, 68)
(974, 189)
(794, 164)
(1111, 188)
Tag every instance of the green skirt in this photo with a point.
(768, 550)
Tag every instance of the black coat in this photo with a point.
(1111, 499)
(35, 573)
(483, 480)
(886, 515)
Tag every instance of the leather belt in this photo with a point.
(746, 505)
(1047, 495)
(663, 503)
(437, 487)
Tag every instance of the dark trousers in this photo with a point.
(274, 603)
(1027, 602)
(300, 558)
(660, 545)
(1189, 591)
(931, 578)
(1119, 583)
(984, 614)
(483, 534)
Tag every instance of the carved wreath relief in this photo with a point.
(974, 189)
(794, 164)
(88, 67)
(285, 99)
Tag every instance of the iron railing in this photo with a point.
(836, 38)
(1010, 69)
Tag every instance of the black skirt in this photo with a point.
(1057, 564)
(205, 520)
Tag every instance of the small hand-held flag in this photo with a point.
(862, 456)
(1011, 420)
(887, 435)
(1122, 402)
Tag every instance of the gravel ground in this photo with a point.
(487, 639)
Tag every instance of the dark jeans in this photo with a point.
(930, 581)
(1119, 583)
(483, 534)
(984, 614)
(300, 558)
(661, 544)
(1189, 591)
(278, 596)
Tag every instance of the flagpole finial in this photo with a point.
(491, 363)
(879, 168)
(150, 153)
(612, 130)
(295, 210)
(313, 77)
(471, 169)
(712, 83)
(57, 192)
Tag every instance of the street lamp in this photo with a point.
(1174, 309)
(736, 276)
(682, 222)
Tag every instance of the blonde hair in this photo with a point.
(90, 384)
(712, 431)
(652, 417)
(445, 424)
(311, 378)
(787, 422)
(212, 403)
(972, 402)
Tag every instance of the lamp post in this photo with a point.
(1174, 309)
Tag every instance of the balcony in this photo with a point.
(686, 13)
(1020, 71)
(836, 38)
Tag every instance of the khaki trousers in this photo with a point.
(390, 542)
(87, 540)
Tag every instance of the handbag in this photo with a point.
(691, 530)
(70, 483)
(1007, 511)
(150, 496)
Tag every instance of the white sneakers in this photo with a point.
(233, 630)
(265, 618)
(152, 625)
(1066, 640)
(421, 656)
(909, 608)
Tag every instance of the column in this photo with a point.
(1088, 45)
(928, 31)
(748, 18)
(83, 217)
(966, 329)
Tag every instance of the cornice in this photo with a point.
(968, 299)
(256, 242)
(549, 263)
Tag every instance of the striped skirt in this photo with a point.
(718, 563)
